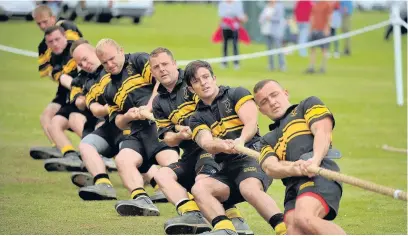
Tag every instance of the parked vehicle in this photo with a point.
(20, 8)
(104, 10)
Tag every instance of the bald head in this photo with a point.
(103, 44)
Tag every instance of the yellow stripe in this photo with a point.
(46, 71)
(227, 124)
(163, 123)
(146, 73)
(137, 192)
(71, 35)
(198, 128)
(57, 76)
(242, 101)
(307, 184)
(128, 85)
(182, 112)
(126, 132)
(103, 181)
(74, 91)
(291, 130)
(69, 66)
(44, 58)
(315, 112)
(188, 207)
(112, 109)
(97, 89)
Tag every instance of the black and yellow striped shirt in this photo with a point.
(175, 108)
(132, 87)
(291, 136)
(44, 53)
(221, 117)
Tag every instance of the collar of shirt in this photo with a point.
(163, 91)
(277, 122)
(220, 94)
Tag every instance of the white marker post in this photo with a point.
(396, 19)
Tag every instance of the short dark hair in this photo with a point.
(258, 86)
(192, 67)
(51, 29)
(76, 43)
(159, 50)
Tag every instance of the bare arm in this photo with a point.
(98, 110)
(277, 170)
(122, 120)
(150, 103)
(322, 131)
(248, 114)
(174, 139)
(206, 141)
(80, 103)
(66, 81)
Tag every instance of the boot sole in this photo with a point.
(81, 180)
(131, 210)
(245, 232)
(186, 229)
(159, 200)
(61, 167)
(92, 196)
(39, 155)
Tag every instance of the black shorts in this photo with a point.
(326, 191)
(61, 97)
(316, 35)
(67, 109)
(235, 171)
(193, 164)
(146, 143)
(112, 136)
(91, 122)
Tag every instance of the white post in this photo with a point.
(395, 17)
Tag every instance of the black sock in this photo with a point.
(100, 176)
(218, 219)
(276, 219)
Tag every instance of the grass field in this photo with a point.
(359, 90)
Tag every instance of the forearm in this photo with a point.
(172, 139)
(66, 81)
(278, 170)
(122, 122)
(248, 132)
(211, 147)
(98, 110)
(321, 144)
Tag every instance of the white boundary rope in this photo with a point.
(249, 55)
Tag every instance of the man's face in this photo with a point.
(203, 84)
(56, 41)
(44, 21)
(273, 100)
(112, 59)
(85, 57)
(164, 69)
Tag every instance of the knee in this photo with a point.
(200, 177)
(127, 157)
(199, 189)
(164, 175)
(167, 157)
(302, 221)
(250, 188)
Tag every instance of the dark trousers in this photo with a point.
(230, 35)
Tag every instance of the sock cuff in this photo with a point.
(68, 148)
(276, 219)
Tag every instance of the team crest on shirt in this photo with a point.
(129, 69)
(185, 93)
(227, 105)
(293, 112)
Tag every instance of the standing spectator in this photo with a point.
(334, 26)
(232, 15)
(320, 28)
(302, 11)
(272, 22)
(347, 10)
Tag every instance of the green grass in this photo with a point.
(360, 91)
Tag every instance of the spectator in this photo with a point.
(272, 22)
(302, 12)
(347, 11)
(320, 28)
(334, 26)
(232, 15)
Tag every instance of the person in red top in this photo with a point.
(302, 12)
